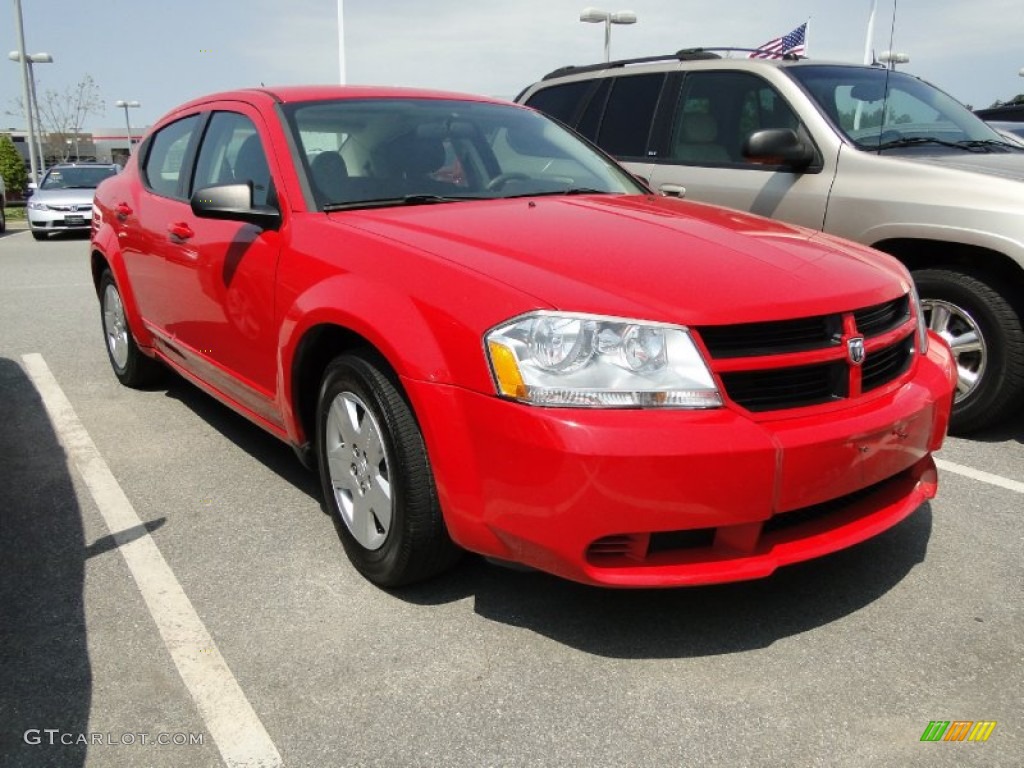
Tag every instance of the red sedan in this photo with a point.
(485, 335)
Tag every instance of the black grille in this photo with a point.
(784, 520)
(779, 388)
(773, 338)
(887, 364)
(880, 318)
(668, 541)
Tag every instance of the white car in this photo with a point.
(63, 200)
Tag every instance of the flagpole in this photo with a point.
(807, 38)
(868, 55)
(341, 41)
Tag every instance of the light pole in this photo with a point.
(597, 16)
(30, 59)
(127, 122)
(29, 119)
(892, 58)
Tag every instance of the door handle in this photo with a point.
(672, 190)
(180, 231)
(123, 211)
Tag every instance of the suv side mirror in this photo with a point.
(233, 202)
(778, 146)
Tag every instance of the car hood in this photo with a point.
(64, 196)
(1007, 166)
(645, 257)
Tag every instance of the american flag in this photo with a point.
(795, 42)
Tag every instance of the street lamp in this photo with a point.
(892, 58)
(597, 16)
(127, 122)
(33, 101)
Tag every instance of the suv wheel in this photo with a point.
(376, 477)
(987, 339)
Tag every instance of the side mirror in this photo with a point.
(778, 146)
(233, 202)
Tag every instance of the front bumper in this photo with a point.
(646, 498)
(59, 220)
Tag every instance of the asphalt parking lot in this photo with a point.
(256, 643)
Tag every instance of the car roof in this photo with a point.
(698, 57)
(288, 94)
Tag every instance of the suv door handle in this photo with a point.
(672, 190)
(180, 231)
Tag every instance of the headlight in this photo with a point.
(38, 206)
(568, 359)
(922, 327)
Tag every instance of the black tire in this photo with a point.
(130, 365)
(964, 299)
(39, 235)
(395, 536)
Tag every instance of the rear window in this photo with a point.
(561, 101)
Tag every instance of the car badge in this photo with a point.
(855, 350)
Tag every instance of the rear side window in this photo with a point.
(629, 115)
(167, 155)
(561, 101)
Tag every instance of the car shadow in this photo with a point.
(45, 674)
(262, 446)
(672, 623)
(1010, 429)
(687, 622)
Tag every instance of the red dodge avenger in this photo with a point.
(486, 336)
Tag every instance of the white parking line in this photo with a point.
(977, 474)
(230, 719)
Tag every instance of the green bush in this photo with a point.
(12, 168)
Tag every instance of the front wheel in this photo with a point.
(986, 336)
(376, 477)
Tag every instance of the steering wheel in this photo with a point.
(500, 180)
(888, 135)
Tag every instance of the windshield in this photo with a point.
(879, 109)
(361, 153)
(78, 177)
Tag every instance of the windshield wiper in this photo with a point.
(913, 141)
(386, 202)
(991, 143)
(568, 191)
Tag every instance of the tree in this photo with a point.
(12, 167)
(63, 114)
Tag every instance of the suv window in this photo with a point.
(231, 153)
(561, 101)
(716, 113)
(629, 115)
(166, 156)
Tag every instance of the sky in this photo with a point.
(165, 52)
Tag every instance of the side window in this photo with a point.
(561, 101)
(716, 113)
(231, 153)
(629, 115)
(166, 157)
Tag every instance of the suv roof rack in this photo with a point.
(686, 54)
